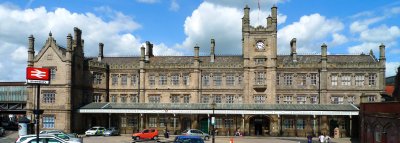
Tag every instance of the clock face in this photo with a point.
(260, 45)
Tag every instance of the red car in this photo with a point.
(146, 134)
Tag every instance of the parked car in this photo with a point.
(49, 138)
(44, 139)
(195, 132)
(146, 134)
(2, 131)
(58, 131)
(67, 137)
(188, 139)
(111, 132)
(97, 130)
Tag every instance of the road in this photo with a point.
(11, 137)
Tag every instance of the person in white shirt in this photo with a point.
(321, 138)
(327, 139)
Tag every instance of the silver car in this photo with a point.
(195, 132)
(111, 132)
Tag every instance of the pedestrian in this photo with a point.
(166, 134)
(327, 139)
(321, 138)
(309, 138)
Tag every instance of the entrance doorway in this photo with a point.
(259, 125)
(204, 125)
(332, 125)
(186, 123)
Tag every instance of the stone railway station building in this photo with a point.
(258, 92)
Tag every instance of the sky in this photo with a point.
(176, 26)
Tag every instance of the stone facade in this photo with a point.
(258, 76)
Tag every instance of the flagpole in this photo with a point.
(258, 17)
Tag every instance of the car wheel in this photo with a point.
(137, 138)
(155, 138)
(206, 138)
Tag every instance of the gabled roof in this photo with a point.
(50, 42)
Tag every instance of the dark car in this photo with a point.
(111, 132)
(188, 139)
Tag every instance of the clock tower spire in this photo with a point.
(259, 46)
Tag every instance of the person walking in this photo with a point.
(327, 139)
(322, 138)
(309, 138)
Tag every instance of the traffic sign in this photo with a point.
(37, 75)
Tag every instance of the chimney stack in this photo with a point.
(246, 19)
(100, 56)
(149, 50)
(31, 50)
(382, 53)
(324, 52)
(274, 13)
(293, 52)
(196, 52)
(212, 53)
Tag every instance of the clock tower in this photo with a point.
(259, 45)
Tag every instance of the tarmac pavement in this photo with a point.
(11, 137)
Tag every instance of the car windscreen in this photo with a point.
(93, 128)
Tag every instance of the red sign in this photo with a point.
(37, 75)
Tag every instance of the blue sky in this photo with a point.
(176, 26)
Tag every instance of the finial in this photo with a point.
(371, 52)
(247, 6)
(50, 34)
(274, 6)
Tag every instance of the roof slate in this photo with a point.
(281, 59)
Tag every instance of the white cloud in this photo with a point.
(115, 34)
(362, 14)
(395, 51)
(395, 10)
(364, 48)
(214, 21)
(391, 68)
(281, 18)
(338, 39)
(361, 25)
(260, 17)
(174, 5)
(220, 22)
(16, 55)
(380, 34)
(310, 31)
(253, 4)
(148, 1)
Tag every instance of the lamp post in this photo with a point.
(166, 123)
(213, 123)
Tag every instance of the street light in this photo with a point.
(213, 123)
(166, 134)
